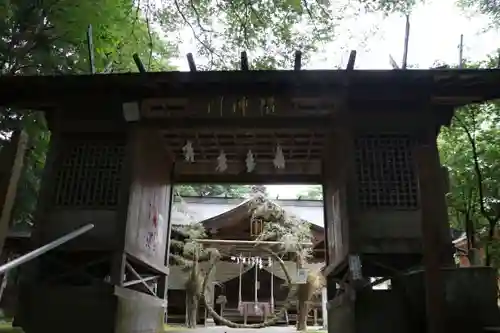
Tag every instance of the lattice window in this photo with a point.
(385, 172)
(89, 172)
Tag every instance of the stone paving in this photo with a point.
(225, 329)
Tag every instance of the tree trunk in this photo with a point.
(302, 300)
(491, 233)
(302, 309)
(474, 257)
(192, 310)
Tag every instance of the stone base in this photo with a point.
(209, 321)
(470, 296)
(471, 305)
(97, 309)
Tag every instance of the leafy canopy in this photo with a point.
(50, 37)
(269, 30)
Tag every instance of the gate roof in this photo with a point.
(452, 87)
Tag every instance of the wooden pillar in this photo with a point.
(11, 165)
(256, 284)
(329, 237)
(111, 173)
(434, 223)
(239, 281)
(272, 287)
(186, 308)
(338, 174)
(163, 281)
(148, 227)
(324, 315)
(119, 259)
(83, 183)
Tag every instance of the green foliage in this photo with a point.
(49, 37)
(458, 156)
(213, 190)
(488, 7)
(190, 250)
(391, 6)
(29, 183)
(470, 150)
(281, 226)
(46, 37)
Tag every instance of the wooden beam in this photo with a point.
(191, 63)
(393, 62)
(298, 60)
(243, 242)
(351, 61)
(11, 165)
(337, 266)
(144, 279)
(244, 61)
(140, 278)
(420, 77)
(90, 46)
(248, 178)
(138, 63)
(235, 123)
(461, 52)
(407, 41)
(377, 86)
(274, 80)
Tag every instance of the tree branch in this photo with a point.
(195, 35)
(198, 17)
(477, 168)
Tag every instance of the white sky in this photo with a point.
(435, 35)
(285, 191)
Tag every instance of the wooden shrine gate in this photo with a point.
(117, 148)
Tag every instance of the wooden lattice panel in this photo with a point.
(386, 172)
(89, 172)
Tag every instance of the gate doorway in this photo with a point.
(236, 222)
